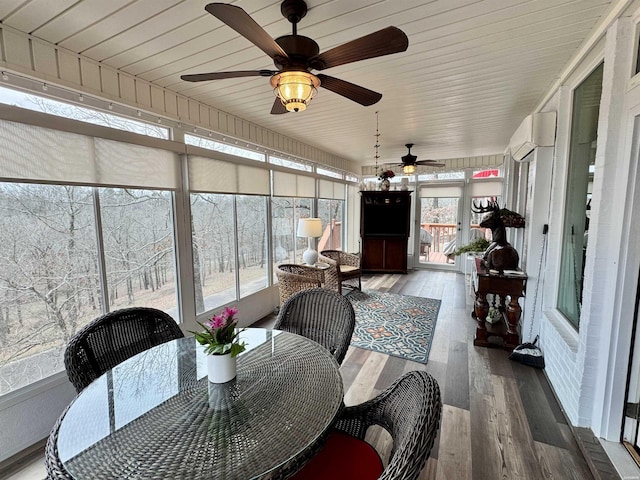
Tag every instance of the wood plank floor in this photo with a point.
(500, 418)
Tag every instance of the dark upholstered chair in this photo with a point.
(113, 338)
(348, 268)
(322, 315)
(409, 410)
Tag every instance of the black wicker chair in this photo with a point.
(410, 410)
(113, 338)
(322, 315)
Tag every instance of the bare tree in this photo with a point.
(47, 263)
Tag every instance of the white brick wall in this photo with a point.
(561, 368)
(587, 368)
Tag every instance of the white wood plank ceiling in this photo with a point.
(473, 70)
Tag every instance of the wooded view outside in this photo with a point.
(49, 262)
(213, 248)
(49, 267)
(286, 212)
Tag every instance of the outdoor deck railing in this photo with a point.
(442, 233)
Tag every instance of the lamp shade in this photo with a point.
(409, 169)
(309, 227)
(295, 89)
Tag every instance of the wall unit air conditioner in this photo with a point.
(536, 130)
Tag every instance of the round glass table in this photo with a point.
(157, 416)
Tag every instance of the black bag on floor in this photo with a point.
(528, 354)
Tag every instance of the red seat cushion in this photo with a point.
(343, 458)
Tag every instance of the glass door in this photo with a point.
(438, 224)
(631, 423)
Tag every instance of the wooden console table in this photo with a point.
(508, 285)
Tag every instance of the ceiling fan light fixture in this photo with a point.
(408, 169)
(295, 89)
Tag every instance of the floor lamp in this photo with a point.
(310, 228)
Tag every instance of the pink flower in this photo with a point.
(220, 335)
(229, 312)
(217, 321)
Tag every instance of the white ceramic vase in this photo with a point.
(221, 368)
(385, 185)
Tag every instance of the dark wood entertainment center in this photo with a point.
(384, 230)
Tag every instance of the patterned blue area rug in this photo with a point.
(398, 325)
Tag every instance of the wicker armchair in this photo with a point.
(348, 268)
(322, 315)
(410, 410)
(113, 338)
(293, 278)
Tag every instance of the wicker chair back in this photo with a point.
(322, 315)
(410, 410)
(113, 338)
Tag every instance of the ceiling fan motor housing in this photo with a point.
(300, 49)
(409, 159)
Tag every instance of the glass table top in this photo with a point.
(157, 416)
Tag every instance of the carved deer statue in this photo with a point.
(499, 255)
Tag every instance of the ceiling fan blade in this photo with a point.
(430, 163)
(354, 92)
(241, 22)
(278, 108)
(383, 42)
(201, 77)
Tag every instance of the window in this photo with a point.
(251, 222)
(290, 164)
(328, 173)
(330, 212)
(487, 173)
(441, 176)
(582, 152)
(83, 114)
(439, 217)
(286, 211)
(213, 250)
(139, 249)
(48, 277)
(50, 284)
(223, 147)
(229, 236)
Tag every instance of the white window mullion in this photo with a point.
(102, 267)
(183, 241)
(236, 260)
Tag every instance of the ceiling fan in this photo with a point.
(295, 56)
(409, 162)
